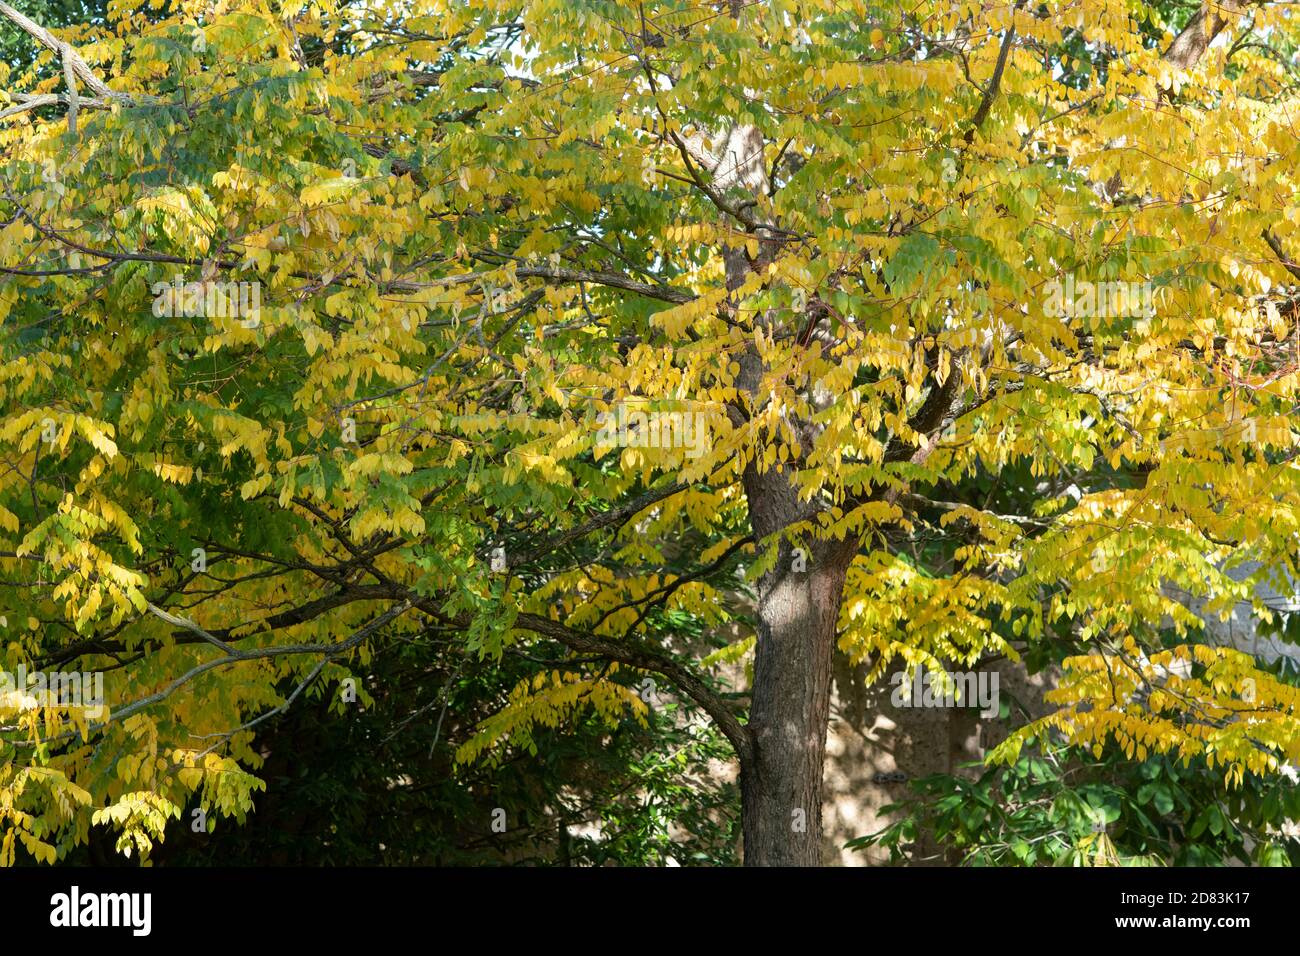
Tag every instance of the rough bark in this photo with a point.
(798, 601)
(1206, 24)
(781, 788)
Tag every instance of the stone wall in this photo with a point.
(870, 737)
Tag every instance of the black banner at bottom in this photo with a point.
(338, 906)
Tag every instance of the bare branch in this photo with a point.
(64, 51)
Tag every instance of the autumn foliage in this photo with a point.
(638, 337)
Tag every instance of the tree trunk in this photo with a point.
(799, 598)
(798, 608)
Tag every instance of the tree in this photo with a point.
(330, 325)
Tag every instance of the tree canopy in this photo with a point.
(633, 338)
